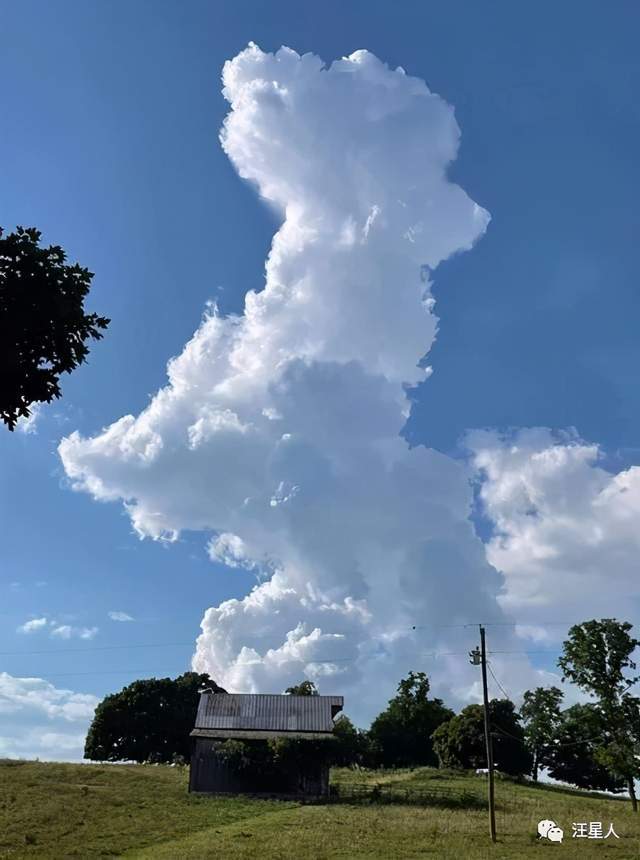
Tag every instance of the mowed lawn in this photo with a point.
(63, 810)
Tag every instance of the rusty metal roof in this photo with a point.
(266, 713)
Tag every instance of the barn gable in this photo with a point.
(265, 716)
(256, 719)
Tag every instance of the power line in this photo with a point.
(530, 623)
(108, 672)
(498, 682)
(552, 745)
(96, 648)
(499, 624)
(529, 651)
(190, 643)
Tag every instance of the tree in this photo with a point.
(351, 745)
(571, 755)
(540, 714)
(401, 734)
(43, 326)
(460, 744)
(597, 657)
(149, 719)
(305, 688)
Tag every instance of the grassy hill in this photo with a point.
(64, 810)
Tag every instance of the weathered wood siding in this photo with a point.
(210, 774)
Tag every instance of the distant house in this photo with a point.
(255, 719)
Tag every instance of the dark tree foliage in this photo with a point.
(460, 742)
(351, 746)
(280, 764)
(572, 756)
(540, 713)
(43, 326)
(305, 688)
(148, 720)
(254, 759)
(291, 754)
(401, 735)
(598, 657)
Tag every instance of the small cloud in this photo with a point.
(65, 631)
(29, 425)
(229, 549)
(120, 616)
(87, 632)
(533, 632)
(59, 631)
(33, 625)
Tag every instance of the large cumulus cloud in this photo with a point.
(278, 431)
(565, 528)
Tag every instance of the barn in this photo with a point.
(252, 722)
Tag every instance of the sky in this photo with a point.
(422, 414)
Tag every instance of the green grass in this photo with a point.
(62, 810)
(65, 810)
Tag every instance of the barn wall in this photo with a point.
(211, 774)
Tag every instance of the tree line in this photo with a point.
(594, 745)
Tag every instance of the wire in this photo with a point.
(498, 682)
(95, 648)
(529, 623)
(534, 651)
(190, 643)
(552, 745)
(431, 626)
(146, 672)
(499, 624)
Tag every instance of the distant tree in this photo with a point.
(540, 713)
(597, 657)
(460, 744)
(571, 757)
(305, 688)
(351, 745)
(148, 720)
(401, 734)
(43, 326)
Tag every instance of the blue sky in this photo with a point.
(110, 147)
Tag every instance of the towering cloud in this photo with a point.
(278, 431)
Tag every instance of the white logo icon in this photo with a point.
(548, 829)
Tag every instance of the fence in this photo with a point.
(390, 793)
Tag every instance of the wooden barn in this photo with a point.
(255, 720)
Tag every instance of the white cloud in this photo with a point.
(566, 529)
(120, 616)
(59, 631)
(87, 632)
(62, 632)
(33, 625)
(66, 631)
(279, 430)
(42, 721)
(230, 549)
(29, 425)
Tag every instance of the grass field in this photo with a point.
(64, 810)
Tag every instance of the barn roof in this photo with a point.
(258, 715)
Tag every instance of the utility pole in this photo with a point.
(487, 736)
(480, 658)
